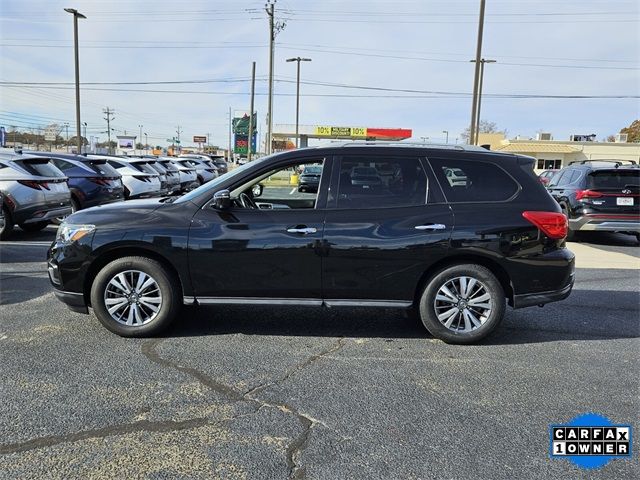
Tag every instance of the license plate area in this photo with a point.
(624, 201)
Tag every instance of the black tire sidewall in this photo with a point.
(6, 230)
(168, 288)
(428, 315)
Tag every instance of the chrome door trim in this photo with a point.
(367, 303)
(317, 302)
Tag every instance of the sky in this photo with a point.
(375, 63)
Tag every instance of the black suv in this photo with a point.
(599, 195)
(453, 248)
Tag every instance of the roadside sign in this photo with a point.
(51, 133)
(199, 139)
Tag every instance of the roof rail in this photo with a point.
(618, 163)
(383, 143)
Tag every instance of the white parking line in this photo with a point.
(293, 190)
(31, 243)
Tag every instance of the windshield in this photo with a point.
(212, 185)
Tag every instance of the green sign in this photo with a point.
(240, 125)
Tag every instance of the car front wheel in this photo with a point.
(135, 297)
(462, 304)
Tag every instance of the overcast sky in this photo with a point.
(415, 55)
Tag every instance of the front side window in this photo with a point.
(473, 181)
(294, 186)
(379, 182)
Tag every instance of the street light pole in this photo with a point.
(251, 107)
(146, 143)
(76, 16)
(298, 59)
(66, 126)
(84, 124)
(140, 127)
(476, 78)
(447, 133)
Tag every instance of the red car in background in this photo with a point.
(545, 176)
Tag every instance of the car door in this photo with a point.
(386, 223)
(260, 255)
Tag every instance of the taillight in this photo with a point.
(103, 182)
(580, 194)
(554, 225)
(36, 185)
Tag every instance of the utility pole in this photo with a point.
(253, 89)
(140, 127)
(109, 117)
(298, 60)
(482, 62)
(76, 15)
(66, 126)
(274, 29)
(178, 137)
(146, 143)
(84, 124)
(229, 149)
(476, 78)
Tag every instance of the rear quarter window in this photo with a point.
(473, 181)
(103, 168)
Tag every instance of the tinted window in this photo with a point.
(378, 182)
(102, 167)
(566, 178)
(615, 179)
(41, 167)
(62, 165)
(117, 165)
(473, 181)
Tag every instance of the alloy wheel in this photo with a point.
(133, 298)
(463, 304)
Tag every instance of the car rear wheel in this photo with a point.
(135, 297)
(33, 227)
(7, 226)
(462, 304)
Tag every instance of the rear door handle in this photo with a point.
(431, 226)
(302, 230)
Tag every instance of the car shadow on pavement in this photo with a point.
(22, 286)
(584, 316)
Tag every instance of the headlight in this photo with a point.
(68, 233)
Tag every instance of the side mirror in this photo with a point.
(222, 200)
(256, 190)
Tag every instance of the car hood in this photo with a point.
(119, 210)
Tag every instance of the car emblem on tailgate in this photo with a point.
(626, 191)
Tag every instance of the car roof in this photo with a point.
(8, 156)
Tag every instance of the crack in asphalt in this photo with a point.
(149, 350)
(140, 426)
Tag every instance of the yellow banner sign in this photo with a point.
(328, 131)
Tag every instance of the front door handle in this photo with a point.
(431, 226)
(302, 230)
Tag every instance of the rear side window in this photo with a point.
(41, 167)
(473, 181)
(567, 178)
(378, 182)
(62, 164)
(614, 179)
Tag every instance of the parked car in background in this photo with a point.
(365, 177)
(220, 163)
(171, 172)
(342, 246)
(34, 192)
(148, 165)
(545, 176)
(91, 181)
(187, 174)
(138, 182)
(599, 195)
(205, 172)
(310, 178)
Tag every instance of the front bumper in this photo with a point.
(606, 223)
(541, 298)
(75, 301)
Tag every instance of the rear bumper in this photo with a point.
(75, 301)
(541, 298)
(42, 214)
(606, 223)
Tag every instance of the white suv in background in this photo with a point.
(138, 183)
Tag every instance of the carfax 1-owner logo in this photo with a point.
(590, 441)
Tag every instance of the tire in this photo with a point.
(148, 322)
(474, 322)
(34, 227)
(75, 206)
(7, 228)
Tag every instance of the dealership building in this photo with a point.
(555, 154)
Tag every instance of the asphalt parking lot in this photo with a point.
(292, 392)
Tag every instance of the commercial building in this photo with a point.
(555, 154)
